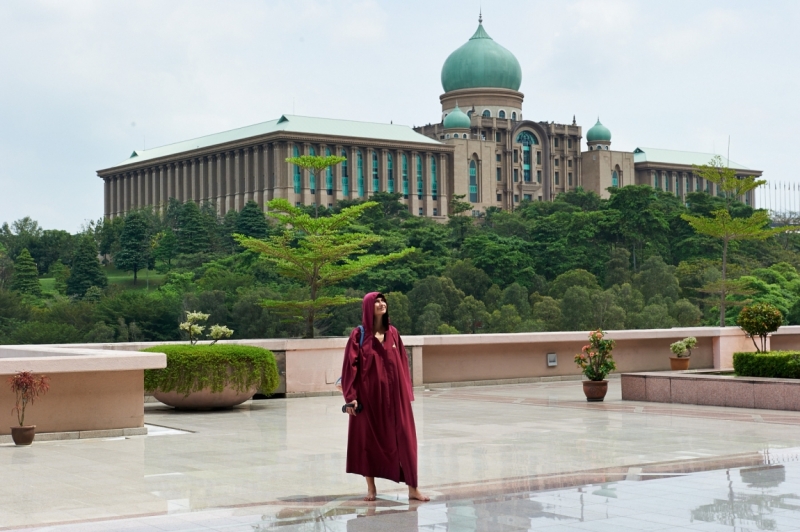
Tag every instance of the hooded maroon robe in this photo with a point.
(382, 439)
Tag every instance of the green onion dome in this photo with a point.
(481, 62)
(598, 132)
(457, 119)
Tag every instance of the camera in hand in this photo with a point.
(359, 408)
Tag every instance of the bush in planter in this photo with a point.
(596, 360)
(683, 348)
(191, 368)
(774, 364)
(760, 319)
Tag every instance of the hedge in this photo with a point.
(775, 364)
(190, 368)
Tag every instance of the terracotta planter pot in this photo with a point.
(23, 435)
(679, 363)
(595, 390)
(204, 399)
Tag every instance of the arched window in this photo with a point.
(434, 183)
(390, 172)
(514, 117)
(375, 183)
(345, 175)
(419, 177)
(448, 136)
(487, 113)
(328, 175)
(656, 182)
(614, 179)
(501, 114)
(360, 175)
(526, 138)
(405, 176)
(312, 176)
(473, 181)
(298, 178)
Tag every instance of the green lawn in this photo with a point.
(125, 279)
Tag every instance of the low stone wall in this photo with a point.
(312, 366)
(92, 393)
(702, 388)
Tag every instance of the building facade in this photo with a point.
(481, 148)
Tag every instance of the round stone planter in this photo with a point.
(595, 390)
(204, 399)
(23, 435)
(679, 363)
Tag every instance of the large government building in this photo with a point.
(481, 147)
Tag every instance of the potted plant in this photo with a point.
(26, 387)
(596, 362)
(682, 350)
(205, 376)
(760, 319)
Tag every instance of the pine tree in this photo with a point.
(134, 243)
(86, 271)
(319, 253)
(251, 221)
(60, 273)
(192, 233)
(26, 277)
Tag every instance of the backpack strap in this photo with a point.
(361, 338)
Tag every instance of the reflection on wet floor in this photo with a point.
(765, 497)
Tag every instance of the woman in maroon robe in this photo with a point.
(382, 439)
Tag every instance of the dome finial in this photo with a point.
(480, 15)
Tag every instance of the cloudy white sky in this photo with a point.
(83, 83)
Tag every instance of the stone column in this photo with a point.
(193, 185)
(444, 181)
(247, 174)
(258, 171)
(106, 197)
(125, 193)
(414, 202)
(219, 183)
(113, 197)
(162, 188)
(201, 177)
(230, 181)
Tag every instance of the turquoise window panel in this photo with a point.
(375, 183)
(526, 138)
(298, 178)
(390, 171)
(473, 182)
(360, 176)
(419, 177)
(345, 175)
(434, 182)
(405, 175)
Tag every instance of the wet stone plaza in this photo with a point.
(493, 458)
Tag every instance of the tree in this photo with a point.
(135, 250)
(165, 246)
(86, 271)
(317, 252)
(251, 221)
(657, 278)
(315, 164)
(25, 278)
(548, 313)
(618, 269)
(457, 221)
(6, 267)
(439, 290)
(60, 273)
(470, 315)
(516, 295)
(722, 225)
(399, 310)
(468, 278)
(571, 278)
(505, 320)
(430, 319)
(191, 232)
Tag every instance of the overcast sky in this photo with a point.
(83, 83)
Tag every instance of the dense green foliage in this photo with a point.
(774, 364)
(191, 368)
(577, 263)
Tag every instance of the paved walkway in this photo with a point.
(523, 457)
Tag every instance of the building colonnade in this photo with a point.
(260, 173)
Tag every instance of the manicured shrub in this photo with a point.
(760, 319)
(190, 368)
(774, 364)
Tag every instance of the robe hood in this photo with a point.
(368, 312)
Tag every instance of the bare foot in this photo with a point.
(414, 493)
(372, 491)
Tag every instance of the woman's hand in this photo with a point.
(352, 409)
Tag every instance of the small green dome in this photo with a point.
(598, 132)
(457, 119)
(481, 62)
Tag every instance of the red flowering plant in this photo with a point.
(27, 387)
(595, 360)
